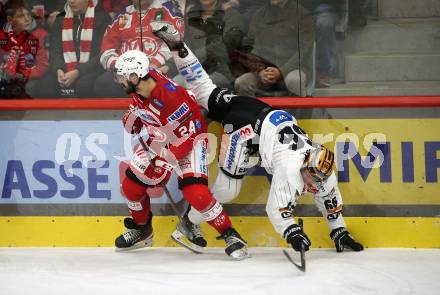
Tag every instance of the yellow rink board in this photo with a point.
(91, 231)
(365, 131)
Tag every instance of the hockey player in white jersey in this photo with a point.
(298, 166)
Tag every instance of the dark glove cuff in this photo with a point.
(291, 231)
(337, 233)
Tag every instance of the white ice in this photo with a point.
(102, 271)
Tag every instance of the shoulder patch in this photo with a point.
(192, 73)
(171, 87)
(279, 117)
(157, 102)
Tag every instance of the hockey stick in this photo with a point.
(302, 266)
(170, 198)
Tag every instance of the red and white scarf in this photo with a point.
(85, 46)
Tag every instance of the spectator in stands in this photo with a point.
(124, 34)
(247, 9)
(274, 61)
(23, 55)
(115, 7)
(214, 33)
(325, 16)
(46, 10)
(74, 50)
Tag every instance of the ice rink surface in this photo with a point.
(102, 271)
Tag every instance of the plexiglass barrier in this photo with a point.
(269, 48)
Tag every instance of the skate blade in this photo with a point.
(142, 244)
(240, 254)
(180, 239)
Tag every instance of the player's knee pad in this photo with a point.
(226, 188)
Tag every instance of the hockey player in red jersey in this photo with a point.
(176, 141)
(297, 165)
(125, 33)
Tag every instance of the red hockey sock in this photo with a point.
(199, 197)
(137, 200)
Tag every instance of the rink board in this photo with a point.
(387, 166)
(100, 231)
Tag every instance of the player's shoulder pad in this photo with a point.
(280, 116)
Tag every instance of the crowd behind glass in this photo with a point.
(67, 49)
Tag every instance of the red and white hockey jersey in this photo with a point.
(125, 34)
(24, 55)
(171, 115)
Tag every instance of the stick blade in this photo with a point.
(301, 267)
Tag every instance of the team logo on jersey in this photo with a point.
(158, 103)
(193, 73)
(179, 113)
(171, 87)
(279, 117)
(150, 45)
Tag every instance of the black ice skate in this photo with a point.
(189, 235)
(236, 247)
(137, 236)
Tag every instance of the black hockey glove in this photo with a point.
(342, 239)
(297, 238)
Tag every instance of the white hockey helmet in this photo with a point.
(132, 62)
